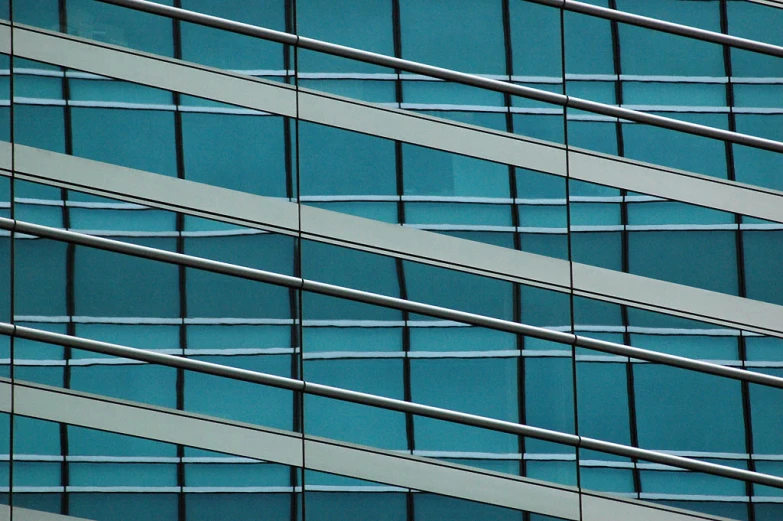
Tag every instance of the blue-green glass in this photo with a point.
(105, 135)
(535, 39)
(753, 165)
(603, 401)
(549, 399)
(114, 285)
(668, 398)
(356, 506)
(466, 35)
(245, 153)
(353, 422)
(762, 253)
(155, 385)
(217, 506)
(433, 172)
(227, 50)
(588, 43)
(368, 27)
(459, 290)
(483, 386)
(242, 401)
(123, 507)
(766, 417)
(677, 149)
(40, 277)
(703, 259)
(757, 22)
(338, 162)
(120, 26)
(649, 52)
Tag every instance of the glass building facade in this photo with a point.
(157, 174)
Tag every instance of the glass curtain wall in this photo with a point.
(462, 210)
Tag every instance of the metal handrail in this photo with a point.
(449, 75)
(663, 26)
(572, 440)
(389, 302)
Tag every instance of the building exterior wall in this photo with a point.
(352, 174)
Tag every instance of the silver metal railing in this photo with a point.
(663, 26)
(572, 440)
(390, 302)
(455, 76)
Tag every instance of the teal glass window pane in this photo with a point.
(603, 401)
(545, 127)
(676, 149)
(155, 385)
(763, 251)
(114, 285)
(40, 276)
(228, 50)
(535, 39)
(123, 507)
(103, 135)
(348, 267)
(121, 26)
(484, 386)
(549, 400)
(458, 213)
(350, 422)
(757, 22)
(703, 259)
(351, 268)
(368, 27)
(94, 89)
(465, 35)
(40, 127)
(374, 339)
(602, 249)
(89, 442)
(350, 506)
(214, 507)
(645, 51)
(588, 42)
(594, 136)
(668, 398)
(673, 93)
(125, 474)
(545, 308)
(766, 417)
(245, 153)
(338, 162)
(40, 13)
(429, 507)
(755, 166)
(238, 400)
(458, 290)
(227, 474)
(432, 172)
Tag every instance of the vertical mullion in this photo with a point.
(742, 288)
(70, 260)
(629, 370)
(181, 270)
(574, 379)
(399, 264)
(515, 287)
(291, 57)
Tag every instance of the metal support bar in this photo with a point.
(338, 393)
(234, 270)
(450, 75)
(663, 26)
